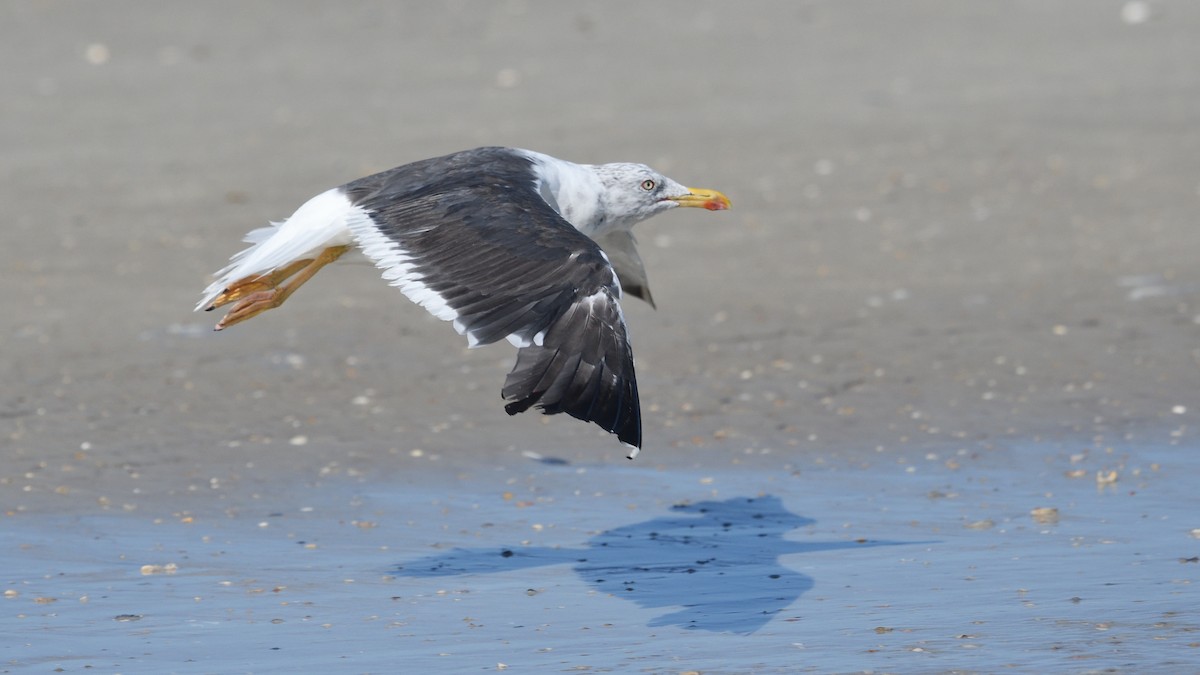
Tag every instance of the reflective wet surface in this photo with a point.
(1010, 561)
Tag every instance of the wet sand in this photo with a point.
(593, 568)
(961, 260)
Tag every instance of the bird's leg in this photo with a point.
(260, 301)
(265, 282)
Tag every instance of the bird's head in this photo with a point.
(634, 192)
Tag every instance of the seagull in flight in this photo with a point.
(504, 244)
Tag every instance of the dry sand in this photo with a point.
(951, 225)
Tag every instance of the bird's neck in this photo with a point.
(573, 190)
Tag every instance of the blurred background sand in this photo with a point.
(954, 224)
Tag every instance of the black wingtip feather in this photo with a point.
(521, 406)
(583, 368)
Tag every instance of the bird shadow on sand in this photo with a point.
(717, 561)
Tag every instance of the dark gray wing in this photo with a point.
(621, 248)
(472, 242)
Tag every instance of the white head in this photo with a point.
(596, 198)
(634, 192)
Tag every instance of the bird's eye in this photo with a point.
(648, 184)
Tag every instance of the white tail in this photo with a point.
(318, 224)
